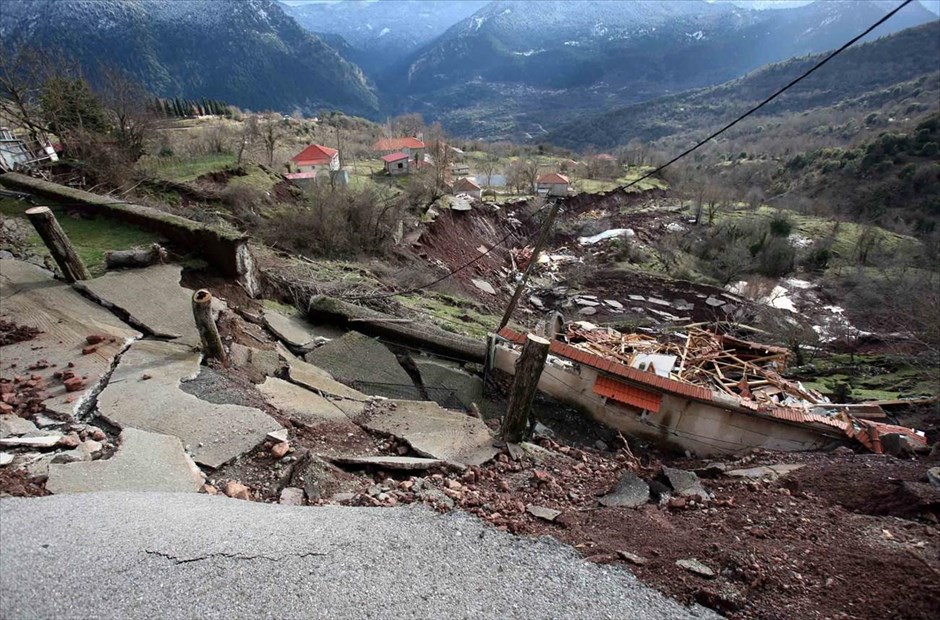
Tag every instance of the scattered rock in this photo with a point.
(210, 490)
(697, 568)
(601, 445)
(279, 450)
(291, 496)
(5, 458)
(684, 483)
(631, 491)
(71, 440)
(843, 451)
(93, 447)
(767, 472)
(340, 498)
(542, 512)
(632, 558)
(714, 303)
(236, 490)
(95, 339)
(484, 286)
(13, 425)
(587, 311)
(933, 475)
(616, 305)
(278, 435)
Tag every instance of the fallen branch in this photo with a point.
(124, 259)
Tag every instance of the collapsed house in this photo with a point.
(698, 391)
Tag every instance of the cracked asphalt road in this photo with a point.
(167, 555)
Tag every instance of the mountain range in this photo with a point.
(505, 69)
(248, 52)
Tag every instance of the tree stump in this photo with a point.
(528, 371)
(208, 332)
(72, 267)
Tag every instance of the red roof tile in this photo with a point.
(394, 157)
(396, 144)
(553, 179)
(465, 184)
(314, 155)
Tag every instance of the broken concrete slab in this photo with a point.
(933, 476)
(467, 387)
(152, 298)
(291, 496)
(320, 479)
(291, 330)
(143, 462)
(214, 434)
(264, 362)
(405, 463)
(300, 405)
(37, 439)
(684, 483)
(13, 425)
(317, 379)
(5, 458)
(630, 491)
(29, 296)
(431, 430)
(769, 472)
(359, 358)
(541, 512)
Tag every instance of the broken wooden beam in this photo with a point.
(123, 259)
(68, 260)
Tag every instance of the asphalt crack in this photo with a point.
(232, 556)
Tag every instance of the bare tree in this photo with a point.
(249, 134)
(135, 120)
(488, 167)
(272, 132)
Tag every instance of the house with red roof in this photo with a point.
(469, 187)
(553, 184)
(397, 163)
(315, 158)
(412, 147)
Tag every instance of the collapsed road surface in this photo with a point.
(167, 555)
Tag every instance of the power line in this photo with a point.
(677, 157)
(770, 98)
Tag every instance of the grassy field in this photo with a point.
(183, 170)
(92, 237)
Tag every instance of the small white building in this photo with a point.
(469, 187)
(397, 163)
(315, 158)
(553, 184)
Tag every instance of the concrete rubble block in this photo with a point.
(152, 297)
(613, 303)
(768, 472)
(316, 379)
(404, 463)
(291, 330)
(629, 492)
(696, 568)
(356, 357)
(300, 405)
(541, 512)
(29, 296)
(266, 362)
(933, 476)
(320, 479)
(683, 483)
(897, 444)
(213, 434)
(13, 425)
(633, 558)
(467, 387)
(587, 311)
(143, 462)
(432, 431)
(484, 286)
(5, 458)
(291, 496)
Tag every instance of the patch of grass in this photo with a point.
(453, 314)
(871, 377)
(91, 236)
(286, 310)
(183, 170)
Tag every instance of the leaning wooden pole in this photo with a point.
(528, 371)
(208, 332)
(72, 267)
(543, 237)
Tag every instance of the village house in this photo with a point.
(553, 184)
(412, 147)
(469, 187)
(397, 163)
(316, 158)
(459, 169)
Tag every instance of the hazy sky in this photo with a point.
(932, 5)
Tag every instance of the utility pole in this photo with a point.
(543, 237)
